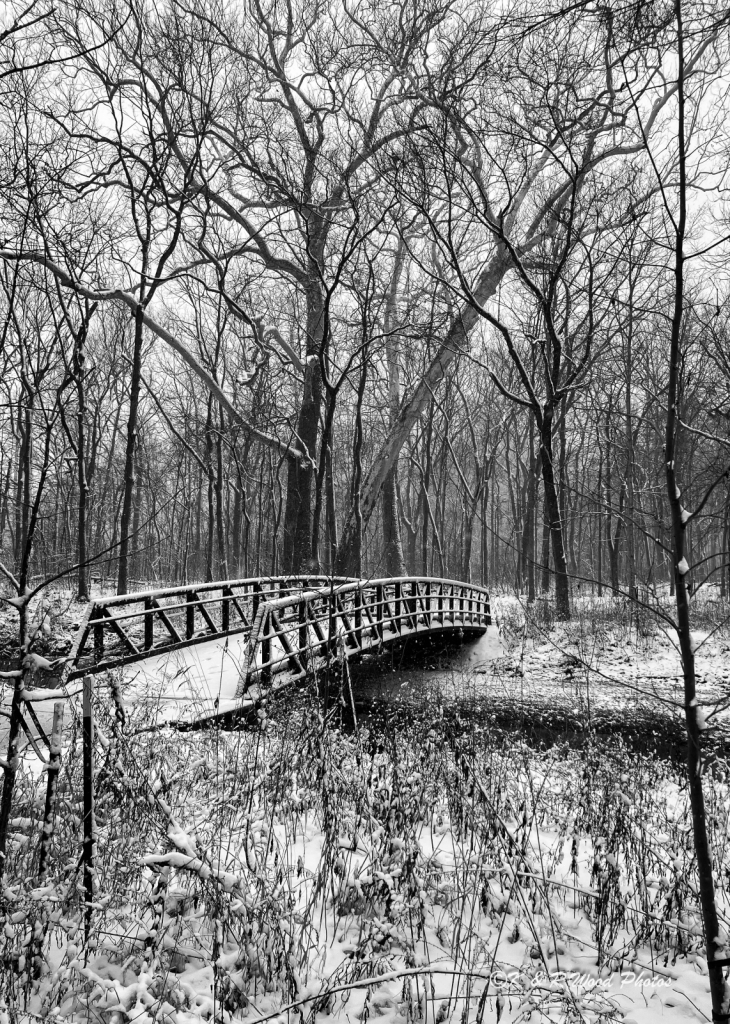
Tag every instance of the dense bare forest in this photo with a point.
(369, 289)
(376, 288)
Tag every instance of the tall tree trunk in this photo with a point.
(136, 568)
(545, 551)
(4, 506)
(219, 512)
(357, 469)
(563, 472)
(394, 563)
(331, 511)
(236, 530)
(630, 499)
(129, 456)
(79, 358)
(321, 494)
(680, 520)
(528, 535)
(484, 539)
(298, 516)
(562, 586)
(22, 490)
(210, 492)
(725, 552)
(393, 557)
(600, 525)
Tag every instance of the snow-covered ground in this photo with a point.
(439, 871)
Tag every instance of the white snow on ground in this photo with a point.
(188, 683)
(431, 914)
(609, 666)
(508, 932)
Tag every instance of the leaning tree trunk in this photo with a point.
(455, 340)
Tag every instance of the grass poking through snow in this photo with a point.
(432, 869)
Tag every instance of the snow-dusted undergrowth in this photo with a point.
(429, 869)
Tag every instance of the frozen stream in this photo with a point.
(451, 670)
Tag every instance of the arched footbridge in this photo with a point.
(287, 627)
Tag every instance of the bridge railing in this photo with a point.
(293, 633)
(131, 627)
(294, 624)
(289, 622)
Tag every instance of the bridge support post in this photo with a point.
(225, 612)
(190, 615)
(98, 640)
(303, 634)
(398, 621)
(331, 647)
(149, 624)
(265, 650)
(379, 612)
(358, 617)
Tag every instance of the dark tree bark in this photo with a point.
(552, 506)
(129, 454)
(680, 521)
(300, 490)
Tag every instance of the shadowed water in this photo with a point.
(474, 682)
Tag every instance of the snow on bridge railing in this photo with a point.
(291, 623)
(131, 627)
(296, 632)
(293, 626)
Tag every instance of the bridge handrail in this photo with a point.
(251, 605)
(141, 595)
(346, 588)
(396, 608)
